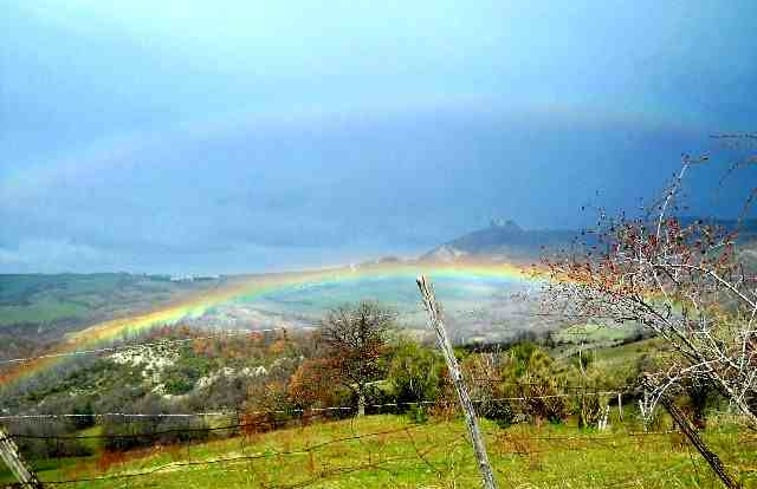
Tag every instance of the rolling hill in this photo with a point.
(505, 240)
(502, 241)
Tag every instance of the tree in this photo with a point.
(312, 385)
(683, 280)
(415, 372)
(356, 337)
(529, 372)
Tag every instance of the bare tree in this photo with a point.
(356, 337)
(683, 281)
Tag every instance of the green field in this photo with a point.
(71, 301)
(375, 451)
(390, 451)
(40, 309)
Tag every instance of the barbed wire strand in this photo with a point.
(594, 439)
(273, 411)
(267, 454)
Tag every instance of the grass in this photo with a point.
(390, 451)
(48, 309)
(594, 333)
(78, 299)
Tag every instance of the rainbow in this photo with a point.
(250, 287)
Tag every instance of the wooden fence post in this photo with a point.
(620, 406)
(691, 433)
(12, 458)
(436, 322)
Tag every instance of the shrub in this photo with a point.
(501, 412)
(312, 386)
(418, 414)
(47, 438)
(414, 373)
(530, 373)
(128, 433)
(591, 409)
(125, 435)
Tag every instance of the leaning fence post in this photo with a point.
(435, 321)
(12, 458)
(690, 431)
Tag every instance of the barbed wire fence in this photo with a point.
(230, 424)
(241, 425)
(242, 430)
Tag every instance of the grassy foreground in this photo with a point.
(390, 451)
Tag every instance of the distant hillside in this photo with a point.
(747, 228)
(37, 308)
(503, 240)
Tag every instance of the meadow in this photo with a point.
(395, 451)
(553, 437)
(66, 302)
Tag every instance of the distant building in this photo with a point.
(498, 222)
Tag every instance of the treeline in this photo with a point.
(359, 360)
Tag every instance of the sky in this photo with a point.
(245, 136)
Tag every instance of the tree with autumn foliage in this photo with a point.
(312, 385)
(355, 338)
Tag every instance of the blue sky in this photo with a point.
(206, 137)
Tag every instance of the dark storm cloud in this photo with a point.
(136, 138)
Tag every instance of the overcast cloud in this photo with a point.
(219, 137)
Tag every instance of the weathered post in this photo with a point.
(691, 433)
(620, 406)
(12, 458)
(436, 322)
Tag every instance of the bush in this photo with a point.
(85, 418)
(500, 412)
(128, 433)
(123, 434)
(418, 414)
(269, 406)
(698, 397)
(591, 409)
(530, 373)
(312, 386)
(414, 373)
(182, 377)
(47, 438)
